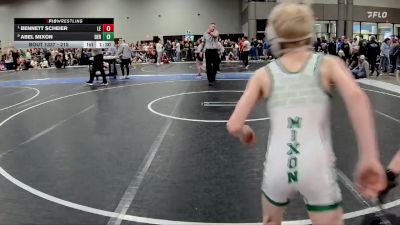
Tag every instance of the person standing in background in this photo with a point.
(240, 48)
(112, 51)
(199, 57)
(332, 50)
(394, 54)
(159, 49)
(346, 47)
(178, 50)
(385, 49)
(211, 49)
(15, 57)
(245, 53)
(168, 48)
(63, 60)
(124, 54)
(373, 51)
(267, 49)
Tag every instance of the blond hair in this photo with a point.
(292, 20)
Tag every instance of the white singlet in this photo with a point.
(299, 155)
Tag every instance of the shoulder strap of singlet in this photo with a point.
(317, 73)
(306, 66)
(317, 66)
(270, 77)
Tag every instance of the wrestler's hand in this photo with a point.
(371, 178)
(248, 136)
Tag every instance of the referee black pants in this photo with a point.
(245, 58)
(212, 59)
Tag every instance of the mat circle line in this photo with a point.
(22, 102)
(150, 107)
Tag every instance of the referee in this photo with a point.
(211, 48)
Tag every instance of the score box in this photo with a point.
(108, 27)
(108, 36)
(104, 44)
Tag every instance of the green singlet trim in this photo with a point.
(323, 208)
(279, 204)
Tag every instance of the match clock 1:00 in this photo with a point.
(103, 44)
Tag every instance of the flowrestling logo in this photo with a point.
(55, 21)
(376, 14)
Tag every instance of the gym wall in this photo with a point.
(134, 19)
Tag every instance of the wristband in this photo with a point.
(391, 183)
(391, 176)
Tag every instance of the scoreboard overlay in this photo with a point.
(64, 32)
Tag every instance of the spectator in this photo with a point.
(363, 46)
(165, 58)
(394, 54)
(339, 44)
(61, 53)
(245, 54)
(34, 64)
(240, 48)
(28, 55)
(15, 57)
(317, 45)
(58, 61)
(23, 64)
(168, 49)
(385, 49)
(362, 70)
(125, 55)
(373, 51)
(346, 47)
(178, 50)
(324, 45)
(355, 43)
(159, 49)
(112, 51)
(267, 50)
(353, 62)
(189, 54)
(332, 50)
(342, 55)
(199, 57)
(44, 63)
